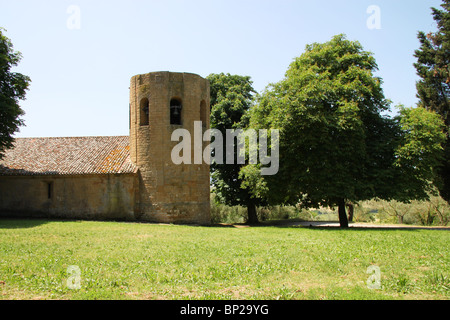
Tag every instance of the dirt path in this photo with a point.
(356, 225)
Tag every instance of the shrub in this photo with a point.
(436, 211)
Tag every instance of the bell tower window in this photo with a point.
(175, 111)
(144, 112)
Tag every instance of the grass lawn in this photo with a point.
(148, 261)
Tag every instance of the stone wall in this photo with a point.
(103, 197)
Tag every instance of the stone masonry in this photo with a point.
(168, 192)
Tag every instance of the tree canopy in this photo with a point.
(433, 88)
(418, 154)
(13, 87)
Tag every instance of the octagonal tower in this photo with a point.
(160, 103)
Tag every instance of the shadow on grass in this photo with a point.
(26, 222)
(21, 223)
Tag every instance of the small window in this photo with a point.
(49, 190)
(175, 111)
(203, 113)
(144, 112)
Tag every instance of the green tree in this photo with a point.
(13, 87)
(419, 153)
(231, 98)
(433, 88)
(336, 144)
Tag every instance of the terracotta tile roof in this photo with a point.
(68, 156)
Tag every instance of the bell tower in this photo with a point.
(160, 103)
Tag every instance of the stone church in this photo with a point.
(129, 178)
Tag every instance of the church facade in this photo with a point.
(130, 178)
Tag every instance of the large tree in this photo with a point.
(231, 98)
(13, 86)
(433, 88)
(336, 144)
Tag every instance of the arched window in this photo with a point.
(175, 111)
(144, 112)
(203, 113)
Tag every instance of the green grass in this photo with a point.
(147, 261)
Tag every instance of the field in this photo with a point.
(118, 260)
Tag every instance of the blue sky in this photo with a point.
(80, 76)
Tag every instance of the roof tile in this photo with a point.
(68, 156)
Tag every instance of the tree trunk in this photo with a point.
(251, 212)
(350, 211)
(342, 215)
